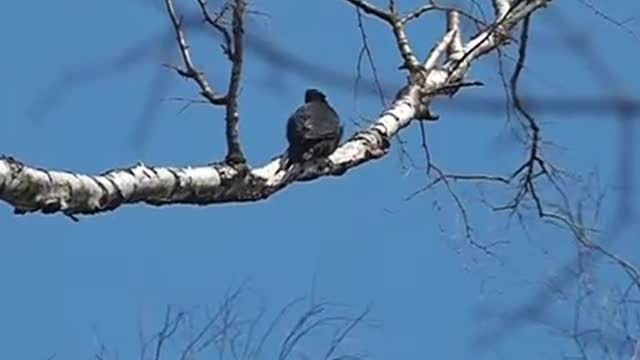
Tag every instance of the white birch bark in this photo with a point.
(30, 189)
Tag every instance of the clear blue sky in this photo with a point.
(355, 234)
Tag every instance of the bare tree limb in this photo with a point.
(233, 47)
(215, 22)
(223, 330)
(371, 9)
(31, 189)
(397, 25)
(190, 71)
(234, 150)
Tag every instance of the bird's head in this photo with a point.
(314, 95)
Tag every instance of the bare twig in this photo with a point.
(169, 328)
(215, 21)
(371, 9)
(418, 12)
(392, 18)
(233, 47)
(190, 70)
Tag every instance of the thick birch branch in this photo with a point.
(30, 189)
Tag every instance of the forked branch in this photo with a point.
(442, 72)
(233, 47)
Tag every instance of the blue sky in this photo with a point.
(355, 235)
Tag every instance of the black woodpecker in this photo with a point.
(313, 130)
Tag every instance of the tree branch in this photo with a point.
(190, 71)
(397, 25)
(233, 47)
(31, 189)
(371, 9)
(234, 150)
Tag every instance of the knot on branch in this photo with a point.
(418, 90)
(424, 113)
(377, 141)
(236, 159)
(15, 165)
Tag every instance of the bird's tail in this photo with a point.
(291, 164)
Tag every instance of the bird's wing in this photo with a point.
(297, 125)
(322, 122)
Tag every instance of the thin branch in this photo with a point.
(417, 13)
(371, 9)
(191, 72)
(391, 18)
(366, 50)
(169, 328)
(233, 46)
(455, 50)
(215, 21)
(439, 50)
(345, 332)
(234, 150)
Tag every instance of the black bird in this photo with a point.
(313, 130)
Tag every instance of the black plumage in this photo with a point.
(313, 130)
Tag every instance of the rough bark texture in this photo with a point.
(30, 189)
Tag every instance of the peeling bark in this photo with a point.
(30, 189)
